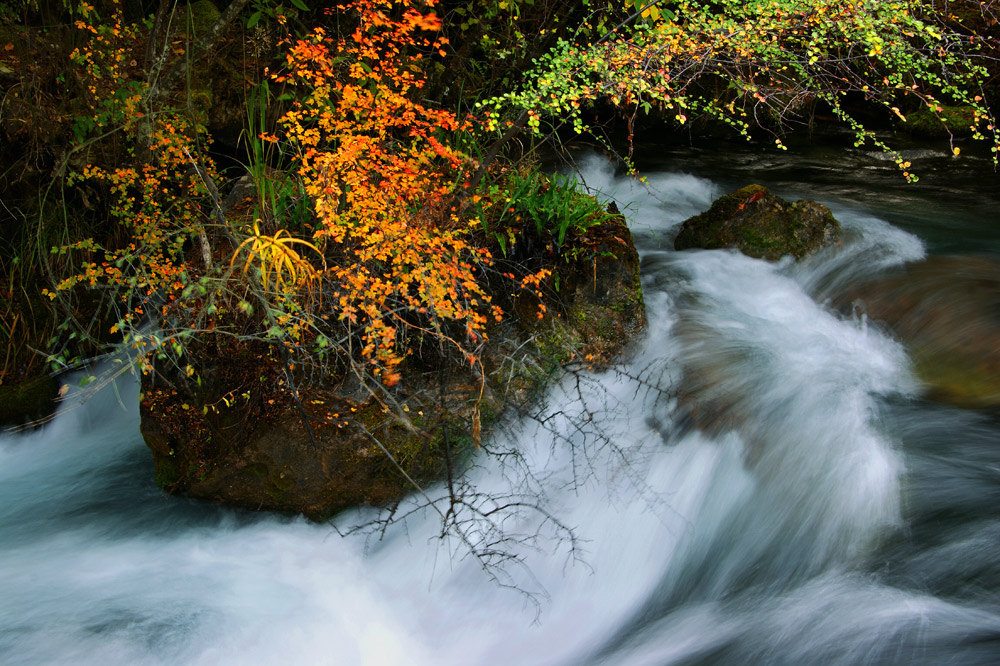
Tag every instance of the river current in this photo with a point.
(821, 511)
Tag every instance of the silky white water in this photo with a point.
(787, 498)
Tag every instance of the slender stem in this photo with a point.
(207, 40)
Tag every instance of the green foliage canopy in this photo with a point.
(758, 63)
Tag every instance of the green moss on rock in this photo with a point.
(761, 225)
(203, 15)
(951, 120)
(167, 473)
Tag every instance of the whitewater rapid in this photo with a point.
(754, 499)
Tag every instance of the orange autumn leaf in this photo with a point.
(375, 162)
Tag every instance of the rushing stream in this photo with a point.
(821, 512)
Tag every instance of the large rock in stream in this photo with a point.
(761, 225)
(946, 310)
(238, 437)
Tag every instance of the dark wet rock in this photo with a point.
(761, 225)
(252, 448)
(946, 310)
(28, 401)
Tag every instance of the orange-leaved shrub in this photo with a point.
(382, 173)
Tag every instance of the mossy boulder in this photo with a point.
(946, 310)
(949, 121)
(762, 225)
(234, 433)
(599, 307)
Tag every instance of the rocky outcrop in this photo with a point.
(241, 439)
(232, 432)
(762, 225)
(946, 310)
(598, 305)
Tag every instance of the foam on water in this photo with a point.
(728, 508)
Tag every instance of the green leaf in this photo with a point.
(300, 5)
(254, 19)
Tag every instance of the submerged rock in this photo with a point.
(761, 225)
(946, 310)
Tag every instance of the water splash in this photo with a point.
(743, 504)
